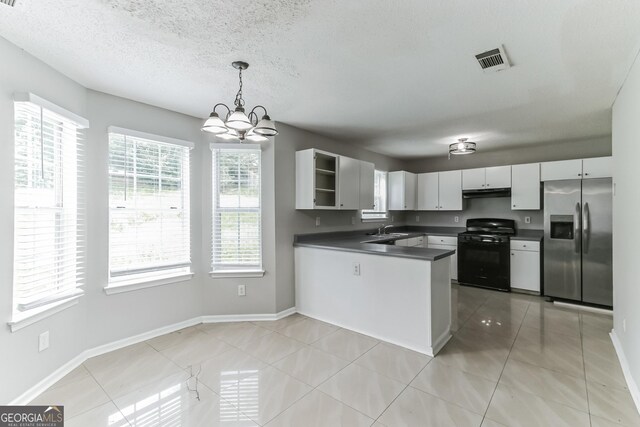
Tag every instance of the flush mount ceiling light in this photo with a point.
(238, 126)
(463, 146)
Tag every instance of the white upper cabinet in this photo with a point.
(597, 167)
(473, 179)
(348, 183)
(402, 191)
(450, 190)
(483, 178)
(316, 177)
(440, 191)
(525, 187)
(563, 169)
(498, 177)
(328, 181)
(428, 197)
(367, 185)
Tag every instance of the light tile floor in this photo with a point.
(514, 360)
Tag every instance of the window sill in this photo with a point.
(226, 274)
(24, 319)
(134, 285)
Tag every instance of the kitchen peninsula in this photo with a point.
(368, 284)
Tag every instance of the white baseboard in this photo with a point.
(428, 351)
(72, 364)
(631, 384)
(247, 317)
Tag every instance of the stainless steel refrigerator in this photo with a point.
(578, 240)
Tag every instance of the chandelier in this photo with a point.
(238, 126)
(463, 146)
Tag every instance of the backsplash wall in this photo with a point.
(499, 207)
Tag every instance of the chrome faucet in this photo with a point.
(384, 229)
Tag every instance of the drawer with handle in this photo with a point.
(442, 240)
(525, 245)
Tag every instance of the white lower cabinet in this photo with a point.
(525, 265)
(412, 241)
(447, 243)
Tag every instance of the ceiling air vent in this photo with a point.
(8, 2)
(493, 60)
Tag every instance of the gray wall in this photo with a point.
(290, 221)
(561, 150)
(97, 318)
(626, 234)
(499, 207)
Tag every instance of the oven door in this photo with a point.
(486, 264)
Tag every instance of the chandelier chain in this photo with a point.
(239, 102)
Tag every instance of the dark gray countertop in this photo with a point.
(361, 243)
(530, 235)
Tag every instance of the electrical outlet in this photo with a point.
(527, 220)
(317, 221)
(456, 219)
(392, 218)
(43, 341)
(242, 290)
(353, 220)
(417, 218)
(356, 268)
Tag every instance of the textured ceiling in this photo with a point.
(398, 77)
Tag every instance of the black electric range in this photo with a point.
(483, 253)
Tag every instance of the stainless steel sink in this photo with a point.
(378, 237)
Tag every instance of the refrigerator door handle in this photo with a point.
(576, 229)
(586, 228)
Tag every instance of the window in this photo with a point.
(380, 198)
(149, 221)
(48, 210)
(237, 240)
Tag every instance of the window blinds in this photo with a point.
(380, 198)
(149, 220)
(49, 227)
(237, 239)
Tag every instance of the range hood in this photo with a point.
(485, 193)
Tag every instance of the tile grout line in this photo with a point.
(484, 416)
(584, 367)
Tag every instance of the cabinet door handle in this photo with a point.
(514, 206)
(341, 204)
(586, 174)
(579, 174)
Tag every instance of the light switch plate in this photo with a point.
(43, 341)
(317, 221)
(527, 220)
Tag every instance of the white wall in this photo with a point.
(626, 233)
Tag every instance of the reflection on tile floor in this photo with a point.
(514, 360)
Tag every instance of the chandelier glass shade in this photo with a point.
(463, 146)
(237, 125)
